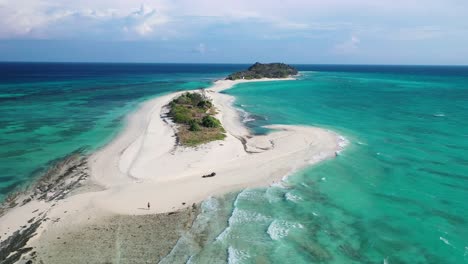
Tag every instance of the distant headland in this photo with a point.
(267, 70)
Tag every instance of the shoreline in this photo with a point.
(143, 164)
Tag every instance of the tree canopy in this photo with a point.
(268, 70)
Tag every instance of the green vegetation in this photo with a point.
(269, 70)
(194, 114)
(209, 121)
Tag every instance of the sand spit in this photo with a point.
(143, 164)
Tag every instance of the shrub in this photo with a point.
(205, 104)
(183, 99)
(181, 118)
(180, 114)
(209, 121)
(189, 99)
(195, 98)
(194, 126)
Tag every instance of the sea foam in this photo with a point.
(236, 256)
(245, 116)
(279, 229)
(240, 216)
(292, 197)
(210, 204)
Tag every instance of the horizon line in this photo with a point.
(236, 63)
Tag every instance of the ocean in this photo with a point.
(48, 110)
(397, 194)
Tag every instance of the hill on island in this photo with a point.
(268, 70)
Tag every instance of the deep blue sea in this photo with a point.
(397, 194)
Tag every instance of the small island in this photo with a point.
(147, 184)
(194, 113)
(268, 70)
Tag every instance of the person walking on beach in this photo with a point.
(149, 205)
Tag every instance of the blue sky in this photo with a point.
(242, 31)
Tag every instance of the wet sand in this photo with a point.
(114, 239)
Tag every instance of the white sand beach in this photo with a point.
(143, 164)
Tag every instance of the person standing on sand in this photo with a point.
(149, 206)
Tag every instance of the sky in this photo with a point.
(236, 31)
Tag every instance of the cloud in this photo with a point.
(349, 46)
(165, 19)
(46, 18)
(144, 21)
(40, 19)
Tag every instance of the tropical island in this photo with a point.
(147, 186)
(267, 70)
(194, 113)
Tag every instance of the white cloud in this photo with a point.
(40, 19)
(124, 19)
(145, 21)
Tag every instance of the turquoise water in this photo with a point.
(397, 194)
(48, 111)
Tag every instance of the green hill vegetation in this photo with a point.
(194, 113)
(269, 70)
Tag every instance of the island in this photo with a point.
(131, 200)
(194, 113)
(267, 70)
